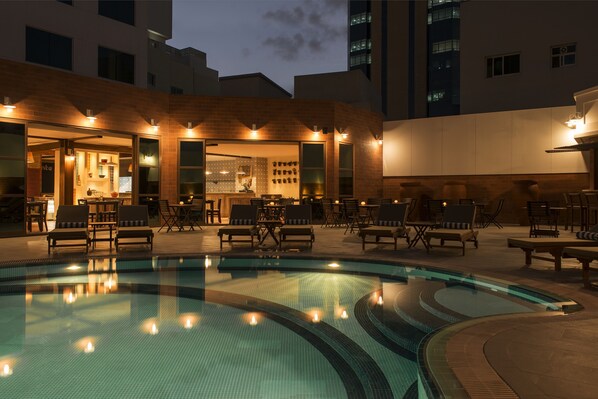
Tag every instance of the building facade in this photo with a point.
(161, 142)
(86, 38)
(448, 57)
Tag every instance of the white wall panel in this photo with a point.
(397, 148)
(493, 143)
(459, 145)
(426, 139)
(531, 138)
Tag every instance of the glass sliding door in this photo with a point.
(149, 176)
(12, 178)
(313, 171)
(345, 171)
(191, 170)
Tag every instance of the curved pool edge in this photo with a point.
(436, 347)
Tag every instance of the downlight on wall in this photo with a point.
(8, 105)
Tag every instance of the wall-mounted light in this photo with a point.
(8, 106)
(253, 130)
(89, 115)
(189, 127)
(224, 172)
(378, 138)
(208, 172)
(30, 158)
(316, 131)
(343, 133)
(155, 125)
(130, 168)
(574, 120)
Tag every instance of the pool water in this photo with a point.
(221, 327)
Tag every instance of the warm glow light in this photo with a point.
(271, 202)
(380, 301)
(344, 135)
(189, 128)
(30, 158)
(6, 370)
(362, 202)
(336, 201)
(380, 141)
(73, 267)
(316, 318)
(90, 117)
(154, 125)
(316, 131)
(8, 107)
(344, 315)
(253, 321)
(70, 297)
(208, 172)
(207, 262)
(334, 265)
(188, 324)
(253, 130)
(574, 120)
(181, 202)
(444, 203)
(224, 172)
(396, 201)
(89, 348)
(154, 329)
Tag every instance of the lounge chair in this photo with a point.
(133, 222)
(457, 225)
(553, 245)
(390, 223)
(71, 225)
(585, 255)
(297, 223)
(242, 222)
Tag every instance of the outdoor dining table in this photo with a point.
(270, 226)
(369, 215)
(36, 208)
(183, 215)
(420, 227)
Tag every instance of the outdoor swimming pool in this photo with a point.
(225, 327)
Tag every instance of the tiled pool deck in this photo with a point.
(537, 356)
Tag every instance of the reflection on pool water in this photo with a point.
(215, 327)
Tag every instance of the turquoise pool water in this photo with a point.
(220, 327)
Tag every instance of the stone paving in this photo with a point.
(536, 357)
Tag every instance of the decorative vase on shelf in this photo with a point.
(114, 194)
(89, 192)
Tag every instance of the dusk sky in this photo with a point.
(280, 38)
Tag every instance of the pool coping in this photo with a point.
(442, 354)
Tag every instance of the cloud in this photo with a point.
(286, 47)
(304, 27)
(287, 17)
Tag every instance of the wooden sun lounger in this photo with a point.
(585, 255)
(554, 246)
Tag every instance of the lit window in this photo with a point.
(361, 18)
(502, 65)
(563, 55)
(435, 95)
(443, 14)
(360, 59)
(434, 3)
(361, 45)
(445, 46)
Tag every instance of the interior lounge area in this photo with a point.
(71, 166)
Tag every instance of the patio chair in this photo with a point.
(457, 225)
(297, 223)
(133, 222)
(390, 223)
(242, 222)
(196, 213)
(168, 216)
(211, 212)
(331, 215)
(71, 225)
(490, 217)
(351, 215)
(542, 221)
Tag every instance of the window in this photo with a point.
(563, 55)
(434, 3)
(445, 46)
(502, 65)
(345, 170)
(175, 90)
(115, 65)
(69, 2)
(313, 170)
(360, 59)
(151, 79)
(442, 14)
(191, 170)
(12, 177)
(435, 95)
(49, 49)
(119, 10)
(361, 18)
(361, 45)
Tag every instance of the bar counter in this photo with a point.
(229, 199)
